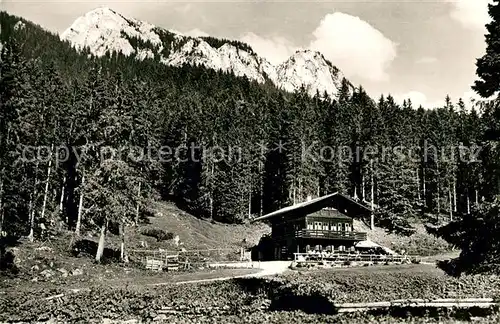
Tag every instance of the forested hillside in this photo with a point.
(87, 141)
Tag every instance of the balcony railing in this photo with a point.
(342, 257)
(351, 236)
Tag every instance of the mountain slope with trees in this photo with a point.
(477, 234)
(103, 30)
(89, 141)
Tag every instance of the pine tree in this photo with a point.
(397, 184)
(488, 66)
(80, 101)
(397, 196)
(12, 76)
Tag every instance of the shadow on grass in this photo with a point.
(462, 314)
(88, 248)
(283, 298)
(7, 258)
(310, 304)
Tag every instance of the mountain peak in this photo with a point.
(303, 51)
(102, 10)
(101, 13)
(311, 70)
(310, 55)
(103, 30)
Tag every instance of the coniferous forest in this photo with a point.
(88, 141)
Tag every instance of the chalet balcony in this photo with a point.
(332, 235)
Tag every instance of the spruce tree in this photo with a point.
(12, 77)
(488, 66)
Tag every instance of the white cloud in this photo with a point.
(196, 33)
(472, 14)
(182, 8)
(351, 44)
(355, 46)
(275, 49)
(418, 99)
(427, 60)
(471, 98)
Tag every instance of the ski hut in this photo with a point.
(324, 223)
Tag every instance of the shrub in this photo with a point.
(88, 248)
(477, 235)
(7, 257)
(159, 234)
(7, 265)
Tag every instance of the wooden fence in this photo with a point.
(352, 257)
(417, 303)
(185, 259)
(308, 233)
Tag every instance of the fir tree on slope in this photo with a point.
(488, 66)
(178, 106)
(11, 95)
(477, 234)
(397, 196)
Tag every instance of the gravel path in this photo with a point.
(268, 268)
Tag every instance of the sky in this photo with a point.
(422, 50)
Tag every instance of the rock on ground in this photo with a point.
(64, 272)
(77, 272)
(47, 273)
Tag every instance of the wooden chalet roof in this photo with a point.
(315, 204)
(323, 214)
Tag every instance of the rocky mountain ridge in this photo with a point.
(105, 31)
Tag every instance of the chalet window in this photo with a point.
(347, 227)
(310, 226)
(325, 226)
(333, 227)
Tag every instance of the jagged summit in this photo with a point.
(103, 30)
(103, 11)
(310, 69)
